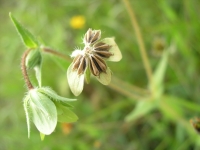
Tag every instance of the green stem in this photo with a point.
(139, 39)
(24, 70)
(48, 50)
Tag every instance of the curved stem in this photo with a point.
(24, 70)
(48, 50)
(139, 39)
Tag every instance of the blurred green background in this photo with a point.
(154, 122)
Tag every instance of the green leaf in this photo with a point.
(44, 113)
(158, 76)
(27, 113)
(50, 93)
(65, 114)
(64, 104)
(28, 39)
(142, 108)
(171, 108)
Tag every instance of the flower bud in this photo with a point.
(33, 59)
(46, 108)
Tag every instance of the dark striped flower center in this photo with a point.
(94, 58)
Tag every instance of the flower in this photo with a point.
(92, 60)
(77, 22)
(44, 107)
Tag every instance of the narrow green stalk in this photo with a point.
(48, 50)
(139, 39)
(24, 70)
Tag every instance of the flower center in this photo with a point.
(88, 51)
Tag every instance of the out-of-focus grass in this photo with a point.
(101, 109)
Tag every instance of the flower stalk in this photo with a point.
(56, 53)
(24, 70)
(140, 40)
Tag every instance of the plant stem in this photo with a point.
(139, 39)
(48, 50)
(24, 70)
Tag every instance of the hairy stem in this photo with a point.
(139, 39)
(48, 50)
(24, 70)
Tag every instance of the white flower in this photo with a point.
(92, 60)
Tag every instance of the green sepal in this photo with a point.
(42, 136)
(50, 93)
(33, 59)
(38, 74)
(87, 75)
(28, 39)
(65, 114)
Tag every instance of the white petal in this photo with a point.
(77, 52)
(117, 56)
(75, 81)
(105, 78)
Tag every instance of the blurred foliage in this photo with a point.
(163, 121)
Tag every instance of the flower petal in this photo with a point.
(75, 81)
(117, 56)
(105, 78)
(43, 110)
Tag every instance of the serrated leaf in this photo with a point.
(44, 113)
(26, 109)
(143, 107)
(66, 115)
(28, 39)
(50, 93)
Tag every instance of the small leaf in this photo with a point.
(52, 94)
(44, 112)
(66, 115)
(105, 78)
(87, 75)
(28, 39)
(76, 82)
(143, 107)
(158, 76)
(26, 109)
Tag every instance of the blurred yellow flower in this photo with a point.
(77, 22)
